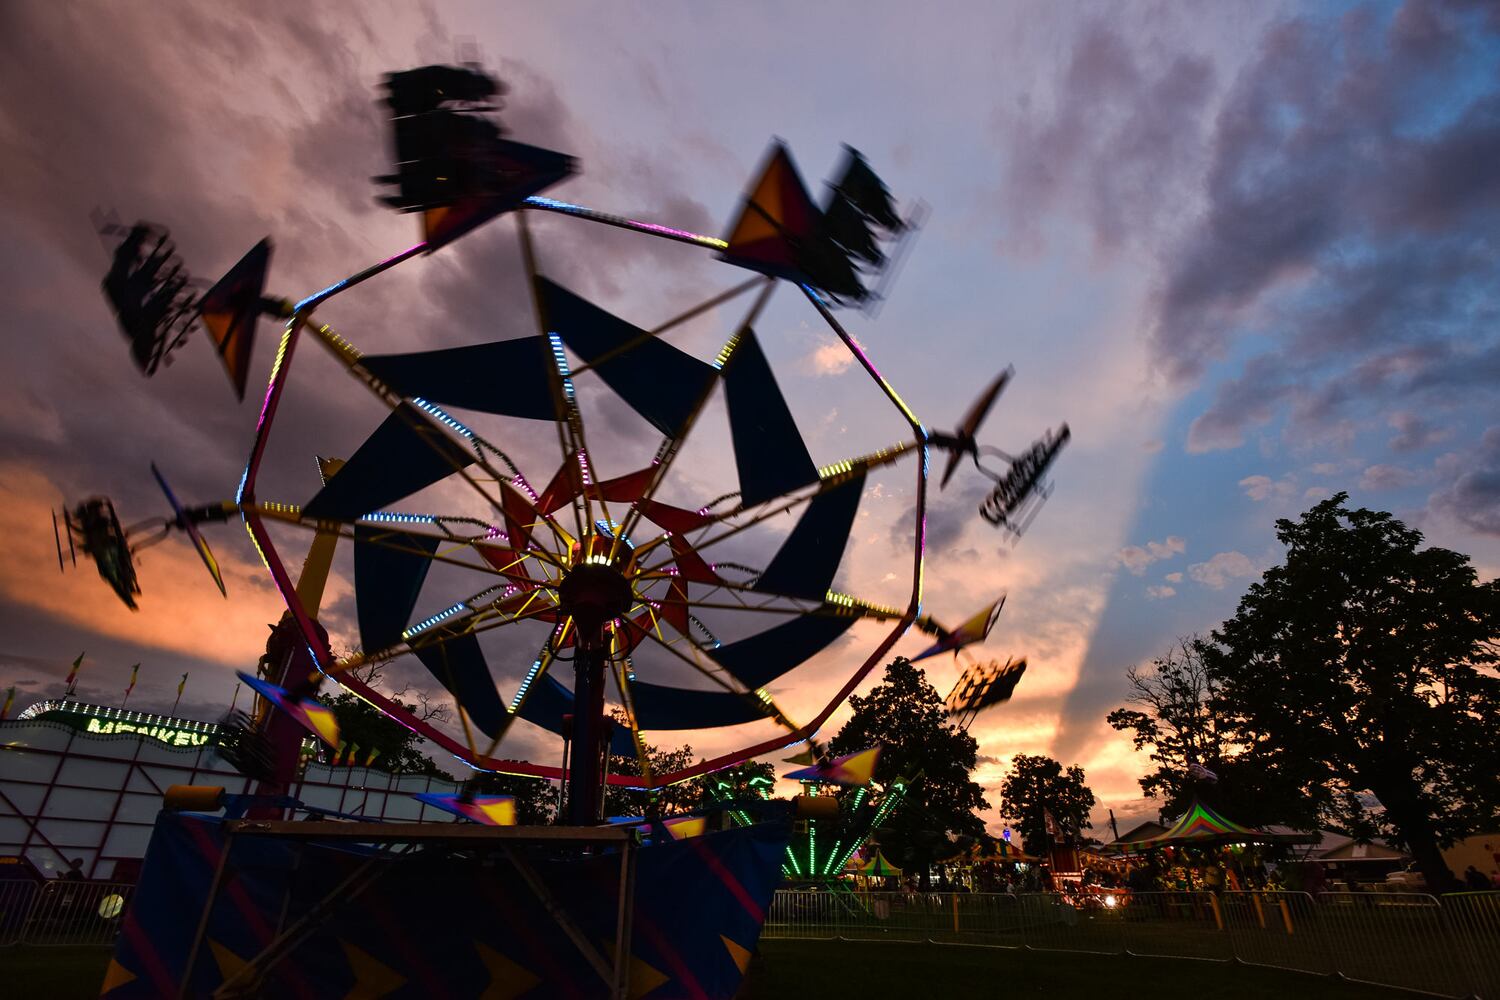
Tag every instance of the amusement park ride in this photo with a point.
(607, 566)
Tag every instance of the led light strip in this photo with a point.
(391, 517)
(424, 625)
(562, 365)
(515, 703)
(442, 417)
(552, 204)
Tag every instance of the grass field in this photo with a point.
(877, 971)
(55, 973)
(869, 971)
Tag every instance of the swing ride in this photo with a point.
(662, 607)
(606, 563)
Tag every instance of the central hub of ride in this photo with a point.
(594, 593)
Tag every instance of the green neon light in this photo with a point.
(892, 799)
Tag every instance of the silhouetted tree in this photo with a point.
(668, 801)
(1177, 721)
(1036, 785)
(905, 715)
(1365, 664)
(364, 726)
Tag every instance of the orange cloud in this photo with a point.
(180, 609)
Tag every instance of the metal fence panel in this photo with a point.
(1408, 940)
(1057, 922)
(16, 899)
(1473, 923)
(1173, 925)
(1274, 928)
(1395, 939)
(78, 913)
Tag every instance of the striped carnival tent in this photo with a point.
(1202, 826)
(879, 867)
(1000, 850)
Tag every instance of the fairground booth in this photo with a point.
(1206, 850)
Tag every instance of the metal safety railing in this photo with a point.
(1448, 946)
(1473, 920)
(62, 912)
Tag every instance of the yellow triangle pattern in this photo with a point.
(860, 768)
(228, 962)
(507, 979)
(372, 980)
(323, 721)
(501, 813)
(740, 955)
(115, 976)
(644, 977)
(756, 225)
(681, 829)
(220, 325)
(432, 220)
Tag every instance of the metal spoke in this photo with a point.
(485, 619)
(834, 476)
(670, 448)
(350, 356)
(569, 421)
(285, 514)
(670, 324)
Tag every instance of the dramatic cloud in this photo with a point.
(1472, 497)
(1351, 222)
(1137, 557)
(1120, 126)
(1415, 433)
(1321, 229)
(1319, 150)
(1221, 569)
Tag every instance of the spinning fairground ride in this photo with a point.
(653, 604)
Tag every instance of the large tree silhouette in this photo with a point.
(1172, 713)
(905, 715)
(1037, 785)
(1364, 667)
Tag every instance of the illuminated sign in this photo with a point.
(167, 734)
(105, 720)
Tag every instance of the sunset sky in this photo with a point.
(1247, 252)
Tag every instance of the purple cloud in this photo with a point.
(1472, 495)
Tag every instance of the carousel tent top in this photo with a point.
(1141, 831)
(1000, 850)
(1201, 826)
(879, 867)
